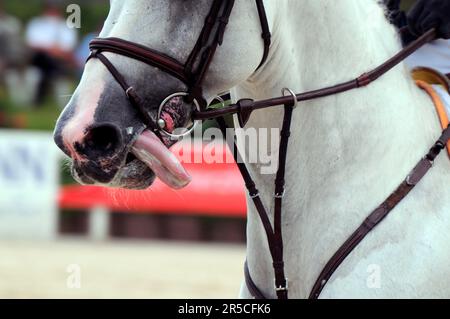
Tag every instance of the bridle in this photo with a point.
(193, 73)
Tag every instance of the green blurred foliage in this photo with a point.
(93, 13)
(24, 10)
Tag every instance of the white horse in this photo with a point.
(347, 152)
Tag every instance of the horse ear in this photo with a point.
(246, 107)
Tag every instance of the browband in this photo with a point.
(193, 72)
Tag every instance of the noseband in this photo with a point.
(192, 73)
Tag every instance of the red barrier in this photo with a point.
(216, 190)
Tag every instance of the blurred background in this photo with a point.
(62, 240)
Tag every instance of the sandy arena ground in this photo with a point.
(119, 270)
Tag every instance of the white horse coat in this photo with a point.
(347, 154)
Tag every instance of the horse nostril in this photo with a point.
(101, 141)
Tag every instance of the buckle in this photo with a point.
(282, 288)
(253, 196)
(280, 195)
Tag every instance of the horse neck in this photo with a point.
(388, 124)
(347, 152)
(368, 139)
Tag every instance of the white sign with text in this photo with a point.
(29, 182)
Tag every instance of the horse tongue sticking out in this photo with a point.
(150, 150)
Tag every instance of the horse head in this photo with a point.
(104, 133)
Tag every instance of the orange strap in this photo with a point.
(440, 107)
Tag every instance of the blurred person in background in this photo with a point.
(11, 45)
(12, 56)
(424, 15)
(52, 43)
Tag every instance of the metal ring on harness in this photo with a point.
(127, 92)
(188, 130)
(221, 101)
(294, 96)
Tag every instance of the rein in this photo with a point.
(245, 107)
(192, 73)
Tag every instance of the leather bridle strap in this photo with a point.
(380, 213)
(281, 282)
(266, 35)
(206, 47)
(374, 219)
(251, 286)
(140, 53)
(245, 107)
(274, 234)
(134, 98)
(193, 72)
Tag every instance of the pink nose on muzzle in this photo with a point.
(99, 142)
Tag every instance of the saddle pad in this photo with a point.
(445, 97)
(441, 101)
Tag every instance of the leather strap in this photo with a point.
(281, 283)
(266, 35)
(206, 47)
(203, 38)
(374, 219)
(193, 72)
(380, 213)
(244, 108)
(140, 53)
(274, 234)
(251, 286)
(133, 97)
